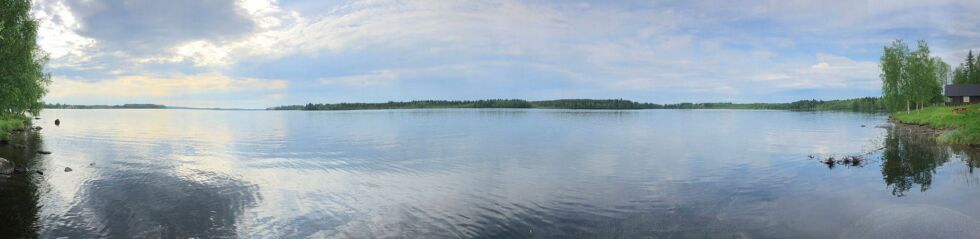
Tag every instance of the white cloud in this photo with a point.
(376, 78)
(829, 71)
(171, 86)
(725, 47)
(57, 34)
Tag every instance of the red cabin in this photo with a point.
(963, 94)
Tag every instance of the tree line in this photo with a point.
(911, 79)
(415, 104)
(22, 78)
(967, 72)
(123, 106)
(867, 104)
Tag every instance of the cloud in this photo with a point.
(376, 78)
(173, 86)
(143, 26)
(829, 71)
(57, 34)
(526, 49)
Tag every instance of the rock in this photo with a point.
(40, 172)
(862, 126)
(20, 169)
(6, 167)
(57, 122)
(37, 118)
(37, 128)
(43, 152)
(4, 142)
(67, 169)
(91, 164)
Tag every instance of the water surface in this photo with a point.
(485, 173)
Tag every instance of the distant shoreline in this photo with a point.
(867, 104)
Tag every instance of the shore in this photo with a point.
(7, 125)
(959, 124)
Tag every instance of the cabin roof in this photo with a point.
(963, 90)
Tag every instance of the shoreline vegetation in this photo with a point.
(959, 124)
(124, 106)
(912, 88)
(867, 104)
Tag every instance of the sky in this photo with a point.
(262, 53)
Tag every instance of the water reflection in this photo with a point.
(19, 192)
(910, 158)
(156, 205)
(479, 174)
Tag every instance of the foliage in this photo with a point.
(418, 104)
(911, 78)
(964, 127)
(868, 104)
(9, 124)
(967, 72)
(22, 77)
(593, 104)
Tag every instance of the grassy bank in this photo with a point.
(7, 124)
(961, 128)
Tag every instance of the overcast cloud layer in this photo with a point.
(259, 53)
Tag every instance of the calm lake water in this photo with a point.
(485, 173)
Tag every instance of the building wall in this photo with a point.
(958, 100)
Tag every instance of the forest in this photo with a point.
(867, 104)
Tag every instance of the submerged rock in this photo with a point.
(43, 152)
(57, 122)
(6, 167)
(37, 128)
(67, 169)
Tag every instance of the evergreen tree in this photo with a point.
(959, 75)
(971, 68)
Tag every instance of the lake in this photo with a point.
(485, 173)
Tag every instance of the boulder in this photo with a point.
(67, 169)
(57, 122)
(6, 167)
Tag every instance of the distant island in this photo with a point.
(867, 104)
(124, 106)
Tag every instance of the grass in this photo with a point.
(961, 128)
(7, 124)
